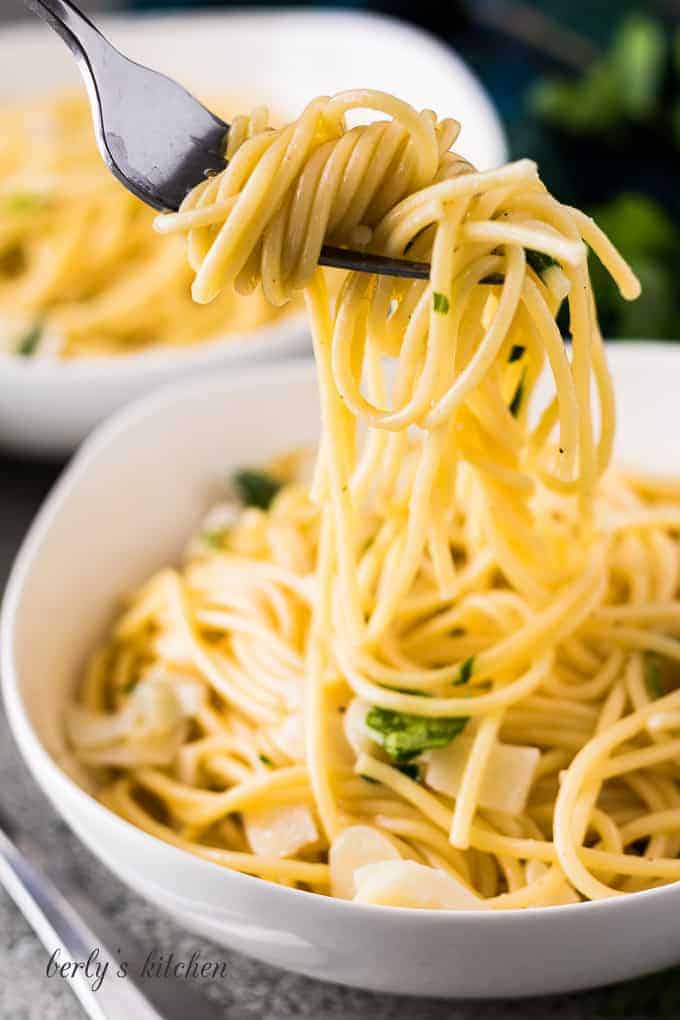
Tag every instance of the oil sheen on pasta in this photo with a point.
(443, 674)
(81, 272)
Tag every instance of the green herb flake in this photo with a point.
(215, 538)
(23, 202)
(27, 344)
(409, 769)
(129, 687)
(368, 779)
(266, 760)
(516, 352)
(406, 736)
(539, 261)
(465, 672)
(653, 679)
(440, 303)
(516, 403)
(256, 488)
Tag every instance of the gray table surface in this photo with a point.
(251, 989)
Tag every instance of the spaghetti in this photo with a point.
(443, 674)
(81, 273)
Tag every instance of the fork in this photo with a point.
(156, 138)
(62, 929)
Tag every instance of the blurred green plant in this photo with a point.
(650, 240)
(621, 119)
(624, 85)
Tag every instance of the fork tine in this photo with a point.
(367, 262)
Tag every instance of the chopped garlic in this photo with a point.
(280, 831)
(408, 884)
(507, 778)
(357, 846)
(147, 730)
(354, 724)
(289, 737)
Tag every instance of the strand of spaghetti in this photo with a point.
(203, 807)
(635, 638)
(314, 689)
(456, 707)
(252, 864)
(575, 778)
(631, 761)
(471, 781)
(625, 278)
(504, 232)
(426, 802)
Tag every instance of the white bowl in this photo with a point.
(125, 507)
(281, 59)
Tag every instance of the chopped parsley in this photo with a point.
(539, 262)
(23, 201)
(440, 303)
(215, 538)
(465, 672)
(653, 679)
(516, 402)
(129, 687)
(266, 760)
(256, 488)
(409, 769)
(406, 736)
(27, 344)
(516, 352)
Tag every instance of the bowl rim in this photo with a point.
(276, 337)
(40, 760)
(279, 335)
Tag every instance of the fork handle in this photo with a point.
(60, 927)
(83, 39)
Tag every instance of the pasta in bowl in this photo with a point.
(144, 467)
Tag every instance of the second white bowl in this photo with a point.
(280, 59)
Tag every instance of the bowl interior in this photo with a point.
(133, 496)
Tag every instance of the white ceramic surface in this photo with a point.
(281, 59)
(125, 507)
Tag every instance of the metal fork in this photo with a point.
(62, 928)
(156, 138)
